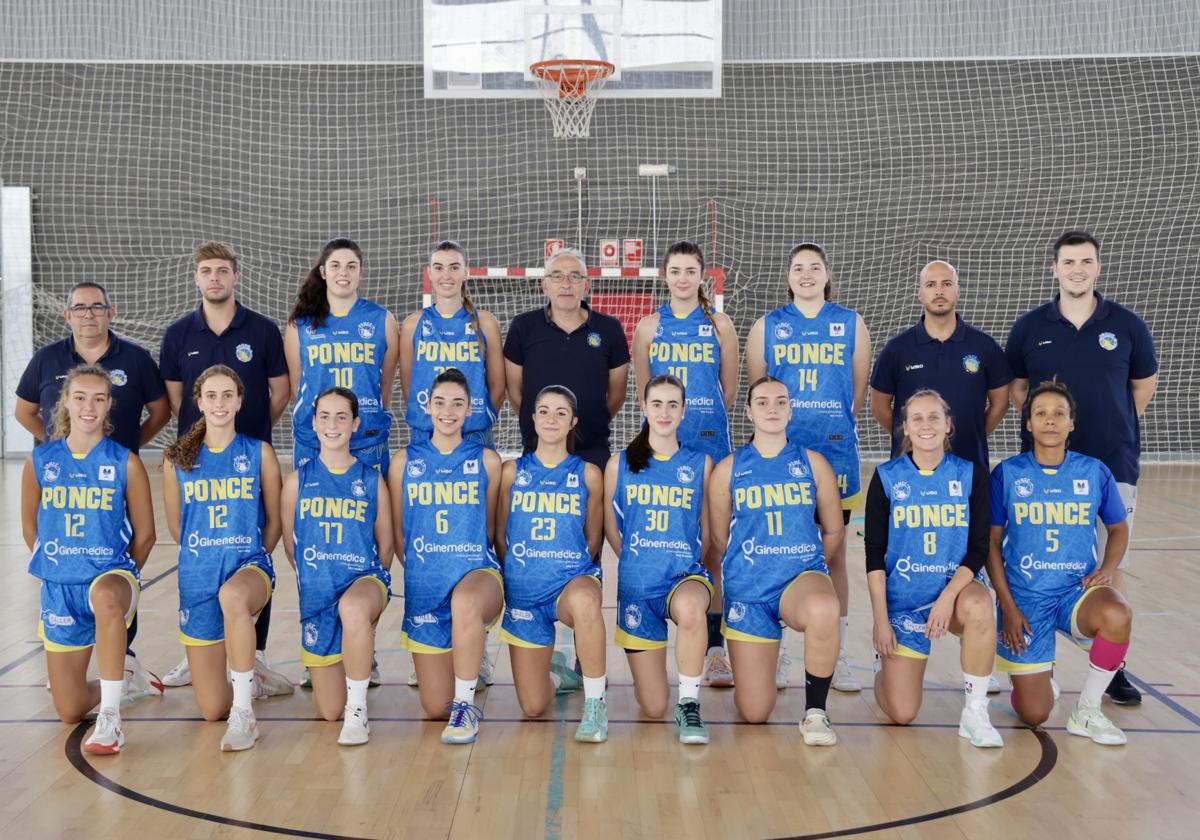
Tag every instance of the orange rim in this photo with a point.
(572, 75)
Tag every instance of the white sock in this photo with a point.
(975, 688)
(110, 694)
(593, 687)
(555, 680)
(356, 692)
(464, 690)
(1093, 686)
(243, 688)
(689, 687)
(842, 641)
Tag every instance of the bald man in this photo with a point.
(943, 352)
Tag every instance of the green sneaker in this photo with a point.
(687, 721)
(569, 680)
(593, 729)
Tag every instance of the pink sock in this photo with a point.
(1106, 655)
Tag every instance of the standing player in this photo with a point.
(699, 347)
(926, 541)
(451, 332)
(657, 525)
(822, 352)
(1105, 354)
(775, 512)
(443, 504)
(335, 338)
(338, 536)
(221, 489)
(1046, 504)
(548, 530)
(221, 331)
(87, 518)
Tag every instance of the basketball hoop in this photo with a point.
(569, 87)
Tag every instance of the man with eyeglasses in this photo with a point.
(567, 343)
(134, 375)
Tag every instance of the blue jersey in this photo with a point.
(347, 351)
(928, 529)
(546, 529)
(445, 522)
(658, 513)
(773, 533)
(1049, 516)
(449, 341)
(221, 512)
(83, 528)
(334, 529)
(689, 349)
(814, 358)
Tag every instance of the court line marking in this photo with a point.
(1185, 713)
(558, 757)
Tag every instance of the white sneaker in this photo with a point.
(374, 680)
(463, 725)
(268, 682)
(305, 679)
(139, 683)
(717, 671)
(412, 679)
(1090, 722)
(178, 676)
(783, 670)
(976, 726)
(242, 731)
(1054, 689)
(355, 729)
(843, 677)
(107, 737)
(817, 730)
(994, 686)
(487, 672)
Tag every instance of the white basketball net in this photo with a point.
(569, 90)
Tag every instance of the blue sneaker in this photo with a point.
(593, 729)
(568, 680)
(463, 725)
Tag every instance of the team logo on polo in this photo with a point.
(524, 478)
(593, 339)
(358, 488)
(118, 377)
(971, 363)
(901, 491)
(1024, 487)
(241, 464)
(783, 331)
(796, 469)
(837, 330)
(51, 471)
(244, 353)
(633, 616)
(416, 468)
(1108, 341)
(366, 330)
(685, 474)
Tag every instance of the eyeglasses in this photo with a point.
(559, 277)
(96, 310)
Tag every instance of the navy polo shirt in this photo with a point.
(1096, 362)
(251, 345)
(134, 377)
(579, 360)
(962, 369)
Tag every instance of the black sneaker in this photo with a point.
(1121, 691)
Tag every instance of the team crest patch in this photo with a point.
(783, 331)
(1023, 487)
(593, 339)
(244, 353)
(366, 330)
(524, 478)
(706, 331)
(312, 331)
(573, 480)
(796, 469)
(837, 330)
(51, 471)
(1081, 486)
(1108, 341)
(358, 488)
(901, 491)
(468, 328)
(971, 363)
(426, 328)
(416, 468)
(658, 331)
(107, 472)
(737, 611)
(118, 377)
(241, 464)
(184, 615)
(471, 467)
(311, 634)
(685, 474)
(956, 488)
(633, 616)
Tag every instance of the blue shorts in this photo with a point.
(532, 625)
(759, 621)
(642, 622)
(201, 621)
(376, 455)
(429, 630)
(484, 437)
(321, 633)
(67, 621)
(1045, 616)
(909, 627)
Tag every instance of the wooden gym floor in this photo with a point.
(529, 779)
